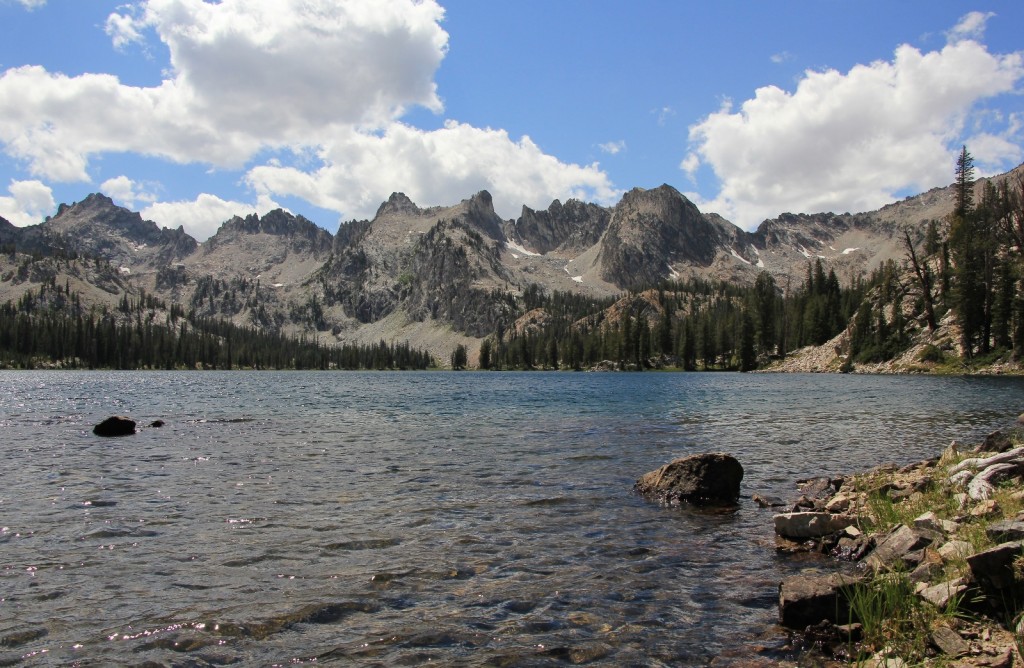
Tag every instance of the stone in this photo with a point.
(809, 599)
(897, 544)
(816, 488)
(839, 503)
(956, 549)
(997, 442)
(985, 508)
(949, 641)
(115, 425)
(768, 501)
(811, 524)
(156, 424)
(993, 568)
(711, 478)
(942, 594)
(1004, 532)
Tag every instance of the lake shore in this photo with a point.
(921, 564)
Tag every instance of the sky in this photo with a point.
(192, 111)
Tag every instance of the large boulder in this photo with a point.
(115, 425)
(711, 478)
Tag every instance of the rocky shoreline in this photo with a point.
(921, 564)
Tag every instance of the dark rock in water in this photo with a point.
(816, 488)
(711, 478)
(156, 423)
(768, 501)
(810, 599)
(115, 426)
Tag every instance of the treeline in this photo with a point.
(692, 325)
(50, 327)
(970, 266)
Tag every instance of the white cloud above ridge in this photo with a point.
(203, 216)
(30, 202)
(329, 79)
(850, 142)
(439, 167)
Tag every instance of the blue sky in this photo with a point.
(193, 111)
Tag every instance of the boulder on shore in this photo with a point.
(704, 479)
(809, 599)
(115, 425)
(811, 524)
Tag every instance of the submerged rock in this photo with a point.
(710, 478)
(115, 425)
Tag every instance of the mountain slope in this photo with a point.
(447, 274)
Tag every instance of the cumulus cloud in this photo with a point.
(850, 142)
(294, 78)
(690, 165)
(29, 203)
(203, 216)
(125, 191)
(361, 170)
(246, 74)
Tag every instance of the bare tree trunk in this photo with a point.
(925, 279)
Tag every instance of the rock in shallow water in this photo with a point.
(710, 478)
(115, 425)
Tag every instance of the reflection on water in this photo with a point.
(394, 519)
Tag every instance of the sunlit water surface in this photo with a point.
(401, 518)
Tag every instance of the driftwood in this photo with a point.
(1017, 454)
(990, 470)
(982, 485)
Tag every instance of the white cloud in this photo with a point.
(123, 30)
(970, 27)
(125, 191)
(293, 78)
(782, 57)
(29, 203)
(663, 114)
(988, 149)
(850, 142)
(613, 147)
(32, 4)
(246, 75)
(690, 165)
(361, 170)
(205, 214)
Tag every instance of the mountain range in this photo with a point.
(438, 276)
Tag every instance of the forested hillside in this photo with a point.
(950, 298)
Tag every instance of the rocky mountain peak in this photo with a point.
(479, 213)
(571, 227)
(398, 203)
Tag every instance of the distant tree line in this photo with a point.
(692, 325)
(50, 326)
